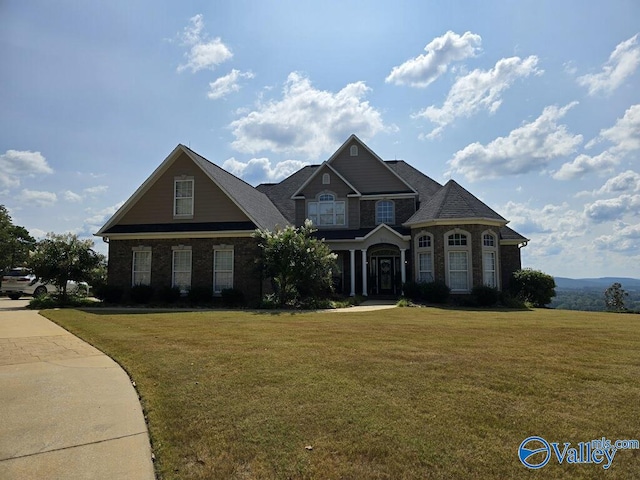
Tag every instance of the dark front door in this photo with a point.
(386, 275)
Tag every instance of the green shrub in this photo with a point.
(435, 292)
(109, 293)
(47, 301)
(169, 294)
(533, 287)
(412, 290)
(200, 295)
(141, 293)
(232, 297)
(485, 296)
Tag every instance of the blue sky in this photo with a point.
(533, 106)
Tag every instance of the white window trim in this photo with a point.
(393, 212)
(459, 248)
(326, 179)
(418, 250)
(175, 198)
(494, 250)
(134, 251)
(353, 151)
(174, 250)
(223, 248)
(335, 202)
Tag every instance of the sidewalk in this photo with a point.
(66, 409)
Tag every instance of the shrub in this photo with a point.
(169, 294)
(435, 292)
(200, 295)
(412, 290)
(533, 286)
(232, 297)
(109, 293)
(485, 296)
(141, 293)
(44, 302)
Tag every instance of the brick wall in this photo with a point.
(404, 208)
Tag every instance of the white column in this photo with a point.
(352, 254)
(364, 272)
(403, 266)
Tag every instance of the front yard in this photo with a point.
(407, 393)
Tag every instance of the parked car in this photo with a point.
(18, 282)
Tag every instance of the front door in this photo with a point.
(386, 275)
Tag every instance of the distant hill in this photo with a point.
(563, 283)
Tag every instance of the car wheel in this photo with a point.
(14, 296)
(40, 291)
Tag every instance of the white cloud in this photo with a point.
(624, 239)
(529, 147)
(99, 217)
(479, 89)
(260, 170)
(307, 121)
(628, 181)
(624, 137)
(613, 208)
(227, 84)
(70, 196)
(38, 198)
(97, 190)
(441, 51)
(203, 53)
(622, 63)
(15, 164)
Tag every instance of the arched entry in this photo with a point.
(385, 270)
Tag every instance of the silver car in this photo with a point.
(18, 282)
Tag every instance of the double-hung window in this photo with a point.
(385, 212)
(181, 271)
(141, 266)
(489, 262)
(222, 269)
(458, 256)
(424, 249)
(326, 211)
(183, 197)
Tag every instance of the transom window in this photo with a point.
(457, 240)
(183, 197)
(488, 240)
(326, 211)
(424, 241)
(385, 212)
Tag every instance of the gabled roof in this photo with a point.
(453, 202)
(424, 185)
(281, 193)
(254, 204)
(317, 172)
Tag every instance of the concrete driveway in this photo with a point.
(66, 409)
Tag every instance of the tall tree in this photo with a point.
(299, 264)
(614, 297)
(15, 242)
(63, 257)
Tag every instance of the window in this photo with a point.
(183, 198)
(353, 151)
(181, 272)
(424, 259)
(326, 211)
(326, 179)
(385, 212)
(458, 260)
(489, 260)
(222, 269)
(141, 267)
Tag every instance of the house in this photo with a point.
(190, 224)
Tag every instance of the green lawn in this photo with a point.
(407, 393)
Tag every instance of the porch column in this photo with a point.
(364, 272)
(352, 254)
(403, 266)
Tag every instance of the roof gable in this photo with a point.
(315, 183)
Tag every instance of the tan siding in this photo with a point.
(366, 173)
(210, 203)
(336, 186)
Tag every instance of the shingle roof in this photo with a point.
(453, 202)
(510, 234)
(424, 185)
(256, 204)
(280, 193)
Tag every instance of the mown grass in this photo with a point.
(407, 393)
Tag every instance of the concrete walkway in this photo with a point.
(66, 409)
(367, 306)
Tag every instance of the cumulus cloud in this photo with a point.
(628, 181)
(15, 164)
(612, 208)
(478, 90)
(307, 121)
(72, 197)
(624, 137)
(624, 239)
(227, 84)
(260, 170)
(622, 63)
(38, 198)
(97, 190)
(98, 218)
(441, 51)
(203, 53)
(529, 147)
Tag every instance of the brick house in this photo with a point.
(190, 224)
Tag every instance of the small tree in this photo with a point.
(533, 286)
(60, 258)
(15, 242)
(299, 264)
(614, 297)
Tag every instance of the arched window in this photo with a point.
(353, 151)
(326, 211)
(326, 179)
(458, 260)
(424, 258)
(385, 212)
(489, 259)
